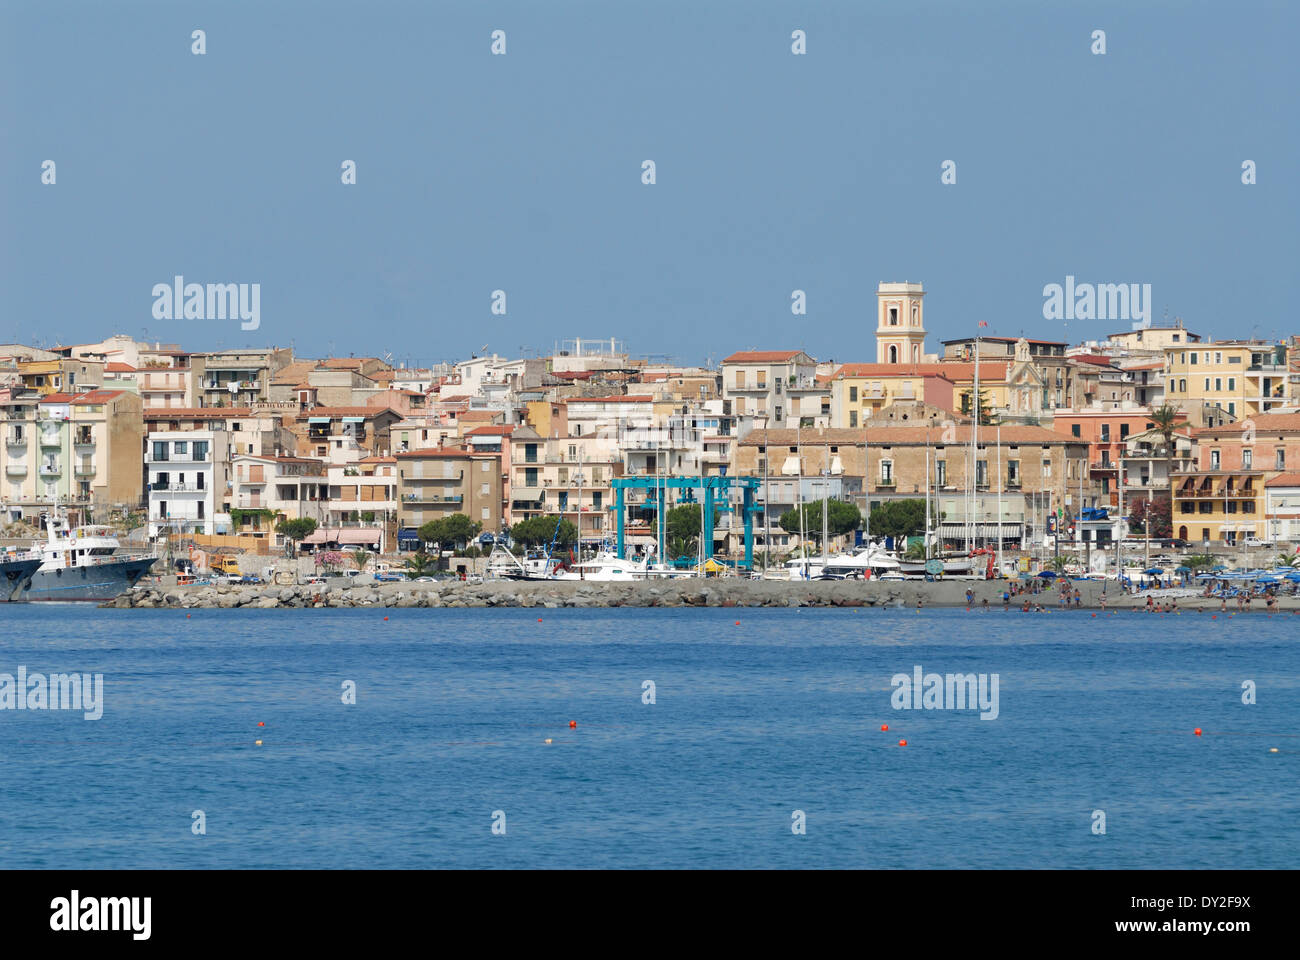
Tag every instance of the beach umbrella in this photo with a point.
(1266, 579)
(1153, 572)
(1047, 575)
(1183, 570)
(1218, 566)
(1294, 576)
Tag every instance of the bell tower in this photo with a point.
(900, 326)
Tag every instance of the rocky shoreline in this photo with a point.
(677, 593)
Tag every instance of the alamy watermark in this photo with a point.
(953, 691)
(179, 300)
(57, 691)
(1097, 301)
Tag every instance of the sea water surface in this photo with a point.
(751, 721)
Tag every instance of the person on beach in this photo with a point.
(1006, 599)
(1149, 601)
(1103, 598)
(970, 596)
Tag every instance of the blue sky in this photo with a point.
(523, 172)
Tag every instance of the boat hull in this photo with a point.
(97, 581)
(15, 576)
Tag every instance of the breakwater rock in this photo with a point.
(549, 593)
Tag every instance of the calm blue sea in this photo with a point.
(751, 723)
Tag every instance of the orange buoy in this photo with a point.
(261, 723)
(884, 726)
(385, 618)
(539, 619)
(1197, 731)
(902, 743)
(737, 623)
(573, 724)
(259, 743)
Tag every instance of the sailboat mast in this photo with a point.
(803, 536)
(925, 543)
(974, 453)
(826, 482)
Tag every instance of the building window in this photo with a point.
(1232, 384)
(853, 418)
(886, 472)
(1214, 459)
(853, 394)
(941, 472)
(1075, 430)
(1013, 472)
(1280, 462)
(740, 379)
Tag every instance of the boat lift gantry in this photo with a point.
(714, 495)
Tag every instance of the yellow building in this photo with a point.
(860, 391)
(1245, 378)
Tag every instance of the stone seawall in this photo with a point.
(678, 593)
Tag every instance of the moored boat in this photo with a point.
(82, 563)
(16, 575)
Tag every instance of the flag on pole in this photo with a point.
(984, 323)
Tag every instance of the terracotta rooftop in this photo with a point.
(762, 356)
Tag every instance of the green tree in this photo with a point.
(361, 558)
(419, 565)
(842, 517)
(1198, 560)
(296, 530)
(987, 417)
(540, 530)
(450, 531)
(901, 518)
(683, 528)
(1165, 418)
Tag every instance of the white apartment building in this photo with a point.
(188, 480)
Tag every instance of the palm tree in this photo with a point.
(1285, 559)
(419, 565)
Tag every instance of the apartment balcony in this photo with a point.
(15, 439)
(51, 439)
(84, 470)
(169, 486)
(51, 470)
(15, 469)
(430, 498)
(526, 493)
(177, 458)
(227, 385)
(84, 440)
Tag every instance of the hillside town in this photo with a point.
(1033, 446)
